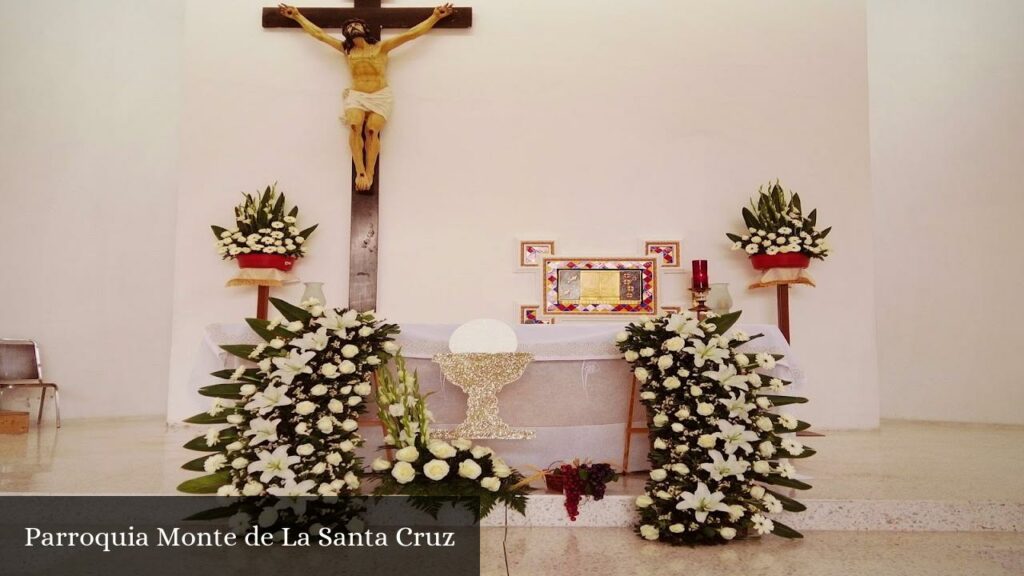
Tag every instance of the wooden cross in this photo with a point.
(362, 275)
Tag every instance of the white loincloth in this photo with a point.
(380, 102)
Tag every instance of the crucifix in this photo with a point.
(367, 105)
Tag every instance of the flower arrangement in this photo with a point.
(288, 427)
(578, 479)
(715, 439)
(263, 227)
(776, 225)
(426, 468)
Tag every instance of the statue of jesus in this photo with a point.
(368, 102)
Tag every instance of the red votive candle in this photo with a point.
(700, 275)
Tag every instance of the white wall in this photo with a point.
(89, 100)
(599, 123)
(947, 144)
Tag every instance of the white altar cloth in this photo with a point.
(573, 395)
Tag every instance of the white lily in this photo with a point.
(728, 377)
(704, 352)
(295, 364)
(276, 464)
(735, 436)
(271, 397)
(737, 406)
(332, 321)
(262, 430)
(702, 502)
(293, 490)
(684, 324)
(312, 340)
(720, 467)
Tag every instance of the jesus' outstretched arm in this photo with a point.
(313, 30)
(418, 30)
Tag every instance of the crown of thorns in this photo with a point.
(352, 22)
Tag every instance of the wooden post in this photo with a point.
(782, 295)
(262, 302)
(362, 263)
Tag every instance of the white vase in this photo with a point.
(719, 299)
(314, 290)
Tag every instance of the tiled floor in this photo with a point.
(948, 463)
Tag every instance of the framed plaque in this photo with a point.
(600, 286)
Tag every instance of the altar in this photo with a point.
(573, 395)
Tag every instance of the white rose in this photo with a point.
(491, 483)
(681, 449)
(247, 389)
(766, 448)
(647, 352)
(403, 472)
(763, 403)
(764, 424)
(683, 413)
(641, 374)
(462, 443)
(349, 351)
(304, 450)
(621, 337)
(365, 331)
(363, 389)
(665, 362)
(319, 468)
(302, 428)
(346, 446)
(758, 492)
(265, 365)
(333, 458)
(742, 359)
(706, 441)
(390, 347)
(408, 454)
(762, 467)
(469, 469)
(660, 420)
(705, 409)
(318, 390)
(649, 532)
(660, 444)
(631, 356)
(354, 400)
(643, 501)
(441, 449)
(305, 407)
(235, 418)
(675, 344)
(349, 425)
(677, 427)
(736, 512)
(277, 343)
(727, 533)
(252, 488)
(325, 424)
(380, 465)
(329, 370)
(658, 474)
(676, 528)
(239, 463)
(479, 452)
(372, 360)
(335, 406)
(501, 470)
(347, 367)
(680, 468)
(648, 395)
(436, 469)
(695, 390)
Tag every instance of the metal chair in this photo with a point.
(21, 366)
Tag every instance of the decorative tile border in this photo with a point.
(531, 252)
(562, 301)
(668, 250)
(530, 314)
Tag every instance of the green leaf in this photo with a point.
(228, 391)
(784, 400)
(217, 231)
(262, 327)
(199, 444)
(785, 531)
(291, 312)
(807, 453)
(779, 429)
(305, 233)
(241, 350)
(787, 482)
(250, 375)
(824, 232)
(204, 418)
(788, 503)
(205, 484)
(750, 219)
(215, 513)
(734, 237)
(812, 218)
(726, 321)
(197, 464)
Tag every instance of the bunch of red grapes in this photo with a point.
(584, 480)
